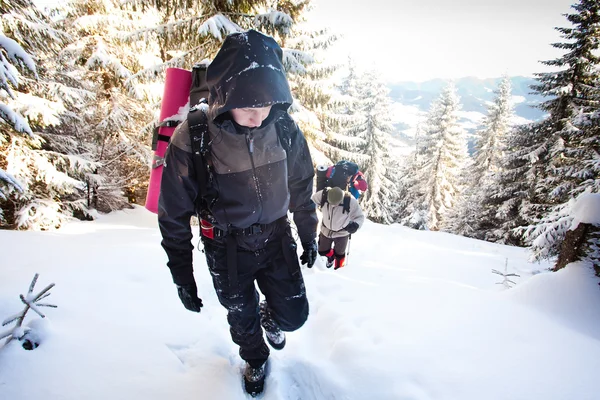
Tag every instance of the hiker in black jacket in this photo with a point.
(258, 168)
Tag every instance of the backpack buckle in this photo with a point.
(254, 230)
(157, 161)
(207, 229)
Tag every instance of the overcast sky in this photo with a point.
(418, 40)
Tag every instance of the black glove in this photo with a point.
(309, 255)
(351, 227)
(188, 294)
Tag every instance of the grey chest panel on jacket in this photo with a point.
(234, 152)
(250, 175)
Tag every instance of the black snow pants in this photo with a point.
(276, 270)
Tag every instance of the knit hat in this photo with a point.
(335, 196)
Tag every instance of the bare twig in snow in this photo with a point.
(31, 303)
(506, 282)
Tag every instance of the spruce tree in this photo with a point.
(512, 194)
(12, 54)
(345, 119)
(358, 126)
(188, 32)
(548, 162)
(117, 116)
(492, 137)
(311, 86)
(379, 202)
(411, 212)
(124, 48)
(444, 153)
(475, 211)
(46, 160)
(571, 144)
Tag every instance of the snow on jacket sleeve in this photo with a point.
(300, 184)
(176, 205)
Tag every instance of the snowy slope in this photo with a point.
(414, 315)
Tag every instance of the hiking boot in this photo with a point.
(330, 258)
(339, 262)
(274, 334)
(254, 379)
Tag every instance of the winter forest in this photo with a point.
(80, 92)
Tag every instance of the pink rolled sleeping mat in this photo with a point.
(176, 94)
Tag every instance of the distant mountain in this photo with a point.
(412, 100)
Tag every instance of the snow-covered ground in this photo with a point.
(414, 315)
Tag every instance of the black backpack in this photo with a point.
(336, 175)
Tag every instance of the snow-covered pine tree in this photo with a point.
(312, 86)
(491, 142)
(411, 212)
(463, 218)
(513, 194)
(49, 163)
(344, 120)
(571, 142)
(11, 54)
(475, 211)
(123, 47)
(188, 32)
(358, 128)
(444, 148)
(379, 202)
(117, 115)
(394, 164)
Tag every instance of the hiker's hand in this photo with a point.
(351, 227)
(309, 255)
(188, 294)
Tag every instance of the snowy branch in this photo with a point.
(11, 181)
(216, 25)
(17, 55)
(15, 120)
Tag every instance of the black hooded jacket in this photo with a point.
(255, 180)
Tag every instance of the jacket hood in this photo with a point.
(247, 72)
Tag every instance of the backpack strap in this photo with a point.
(330, 171)
(158, 137)
(324, 197)
(346, 206)
(199, 139)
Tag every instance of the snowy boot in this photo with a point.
(330, 258)
(254, 379)
(339, 261)
(274, 334)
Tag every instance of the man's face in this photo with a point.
(250, 117)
